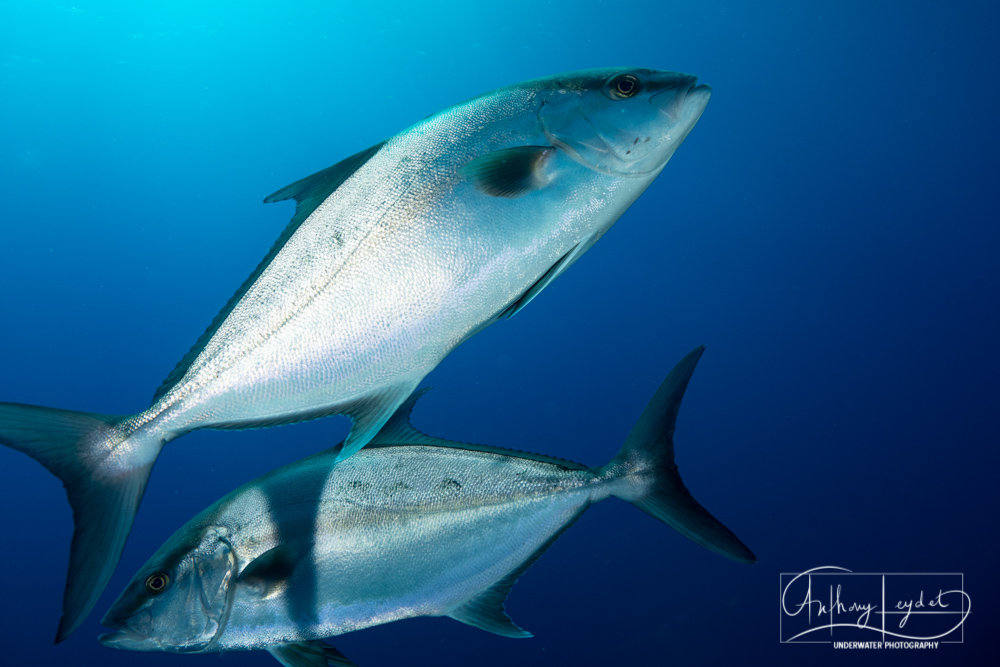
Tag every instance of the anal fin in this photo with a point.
(370, 414)
(309, 654)
(397, 430)
(554, 272)
(486, 610)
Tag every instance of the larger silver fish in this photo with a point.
(411, 526)
(394, 257)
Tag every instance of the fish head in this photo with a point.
(180, 599)
(621, 121)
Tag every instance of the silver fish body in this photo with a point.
(394, 257)
(393, 533)
(410, 526)
(404, 261)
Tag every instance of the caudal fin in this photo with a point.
(104, 473)
(651, 480)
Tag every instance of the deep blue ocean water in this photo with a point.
(830, 230)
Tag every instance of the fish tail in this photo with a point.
(646, 475)
(104, 468)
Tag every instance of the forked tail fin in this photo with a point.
(104, 472)
(649, 476)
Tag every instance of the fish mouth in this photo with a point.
(114, 639)
(126, 635)
(126, 639)
(697, 97)
(683, 102)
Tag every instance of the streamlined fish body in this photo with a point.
(410, 526)
(393, 258)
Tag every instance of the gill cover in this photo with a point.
(207, 591)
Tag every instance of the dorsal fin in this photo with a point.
(308, 193)
(486, 610)
(311, 191)
(399, 431)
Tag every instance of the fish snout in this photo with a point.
(680, 98)
(132, 633)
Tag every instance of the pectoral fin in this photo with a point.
(309, 654)
(511, 172)
(276, 564)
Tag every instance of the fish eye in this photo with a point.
(157, 583)
(623, 87)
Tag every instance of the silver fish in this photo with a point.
(393, 258)
(411, 526)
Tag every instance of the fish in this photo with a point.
(394, 256)
(412, 525)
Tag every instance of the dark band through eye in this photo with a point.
(157, 582)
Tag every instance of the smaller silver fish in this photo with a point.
(409, 526)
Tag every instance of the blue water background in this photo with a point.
(829, 230)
